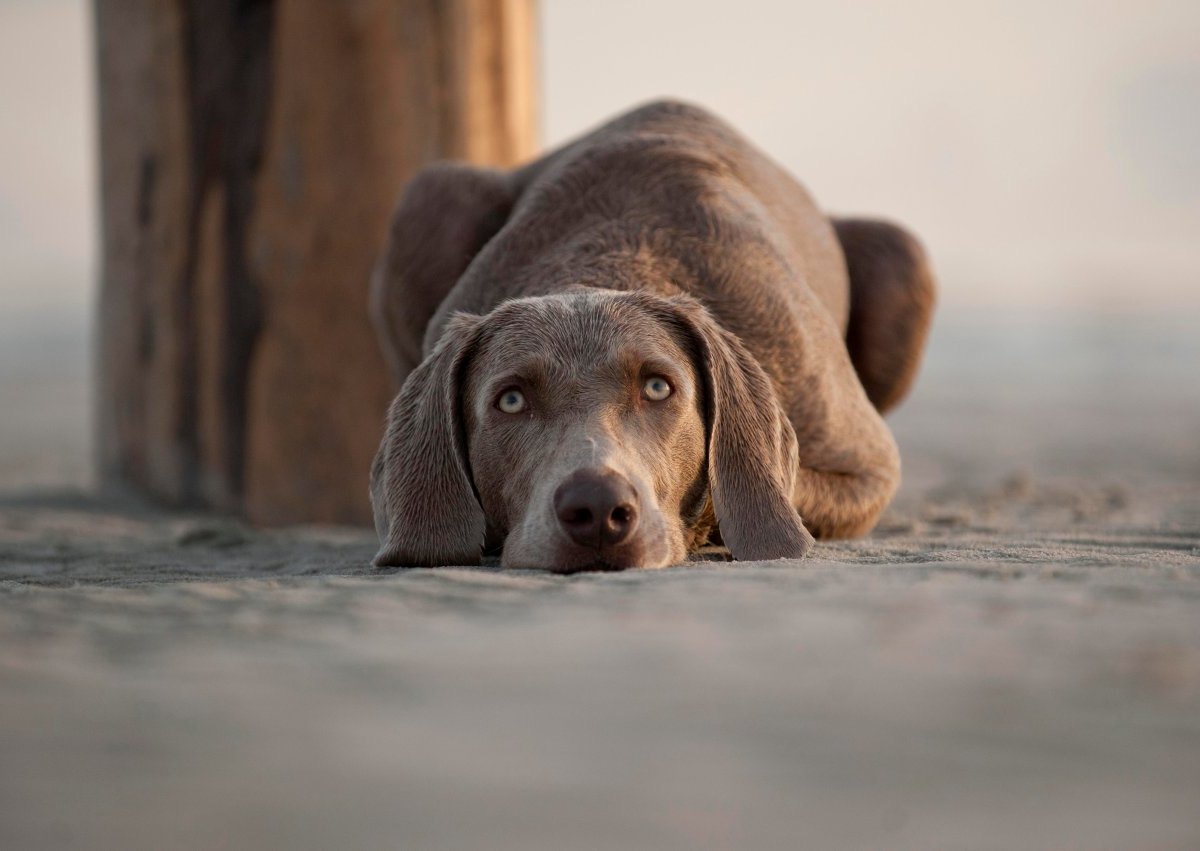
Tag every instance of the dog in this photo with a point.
(646, 340)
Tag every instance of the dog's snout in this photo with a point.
(596, 508)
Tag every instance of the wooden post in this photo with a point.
(250, 155)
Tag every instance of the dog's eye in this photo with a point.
(656, 388)
(511, 401)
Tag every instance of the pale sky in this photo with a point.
(1048, 153)
(47, 171)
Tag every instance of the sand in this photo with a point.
(1011, 660)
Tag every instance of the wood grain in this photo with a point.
(250, 154)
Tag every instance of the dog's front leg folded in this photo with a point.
(849, 464)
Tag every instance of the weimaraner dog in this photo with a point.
(647, 339)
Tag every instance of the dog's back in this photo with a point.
(679, 169)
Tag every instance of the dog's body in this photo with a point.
(666, 226)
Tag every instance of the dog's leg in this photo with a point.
(849, 465)
(448, 213)
(891, 303)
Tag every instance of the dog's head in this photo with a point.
(586, 430)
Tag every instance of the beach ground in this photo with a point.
(1011, 660)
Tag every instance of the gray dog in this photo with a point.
(646, 339)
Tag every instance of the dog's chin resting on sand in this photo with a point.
(647, 338)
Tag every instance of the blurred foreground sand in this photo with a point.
(1011, 660)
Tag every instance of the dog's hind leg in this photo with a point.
(892, 295)
(447, 213)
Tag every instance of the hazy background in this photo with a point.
(1047, 151)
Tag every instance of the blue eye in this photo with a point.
(511, 401)
(656, 388)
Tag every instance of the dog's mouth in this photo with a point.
(559, 548)
(631, 555)
(598, 565)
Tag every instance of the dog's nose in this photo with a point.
(596, 508)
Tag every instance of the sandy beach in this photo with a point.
(1012, 659)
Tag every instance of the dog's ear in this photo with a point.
(426, 509)
(752, 455)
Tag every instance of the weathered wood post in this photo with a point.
(250, 153)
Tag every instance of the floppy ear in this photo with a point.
(426, 510)
(752, 454)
